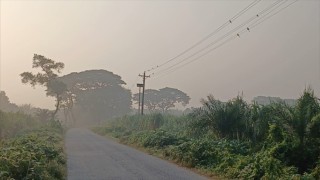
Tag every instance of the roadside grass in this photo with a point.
(215, 159)
(159, 152)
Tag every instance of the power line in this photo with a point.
(209, 35)
(257, 16)
(266, 18)
(216, 47)
(208, 46)
(253, 25)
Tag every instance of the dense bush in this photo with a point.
(205, 152)
(34, 155)
(11, 123)
(235, 139)
(30, 149)
(158, 139)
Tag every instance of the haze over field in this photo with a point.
(280, 57)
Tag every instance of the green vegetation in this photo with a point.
(163, 99)
(235, 139)
(48, 78)
(92, 96)
(30, 148)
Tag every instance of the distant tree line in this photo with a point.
(266, 100)
(94, 95)
(163, 99)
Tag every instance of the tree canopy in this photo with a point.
(163, 99)
(96, 95)
(5, 104)
(47, 78)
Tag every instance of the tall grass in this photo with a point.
(234, 139)
(11, 123)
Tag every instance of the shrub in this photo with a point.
(34, 155)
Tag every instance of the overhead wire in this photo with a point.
(268, 17)
(231, 20)
(206, 47)
(257, 16)
(216, 47)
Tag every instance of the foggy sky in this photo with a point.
(280, 57)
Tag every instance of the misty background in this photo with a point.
(280, 57)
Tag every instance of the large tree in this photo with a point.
(47, 78)
(97, 94)
(163, 99)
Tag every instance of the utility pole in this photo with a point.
(139, 104)
(139, 100)
(143, 87)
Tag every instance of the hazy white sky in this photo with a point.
(280, 57)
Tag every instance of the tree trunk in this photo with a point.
(65, 112)
(57, 106)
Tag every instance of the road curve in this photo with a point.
(93, 157)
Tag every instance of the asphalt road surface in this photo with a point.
(91, 156)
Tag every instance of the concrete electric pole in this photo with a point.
(139, 104)
(143, 87)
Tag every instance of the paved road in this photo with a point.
(91, 156)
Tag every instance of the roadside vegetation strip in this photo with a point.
(33, 153)
(235, 140)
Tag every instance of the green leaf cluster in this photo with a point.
(34, 155)
(30, 148)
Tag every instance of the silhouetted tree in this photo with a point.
(47, 78)
(163, 99)
(43, 115)
(98, 93)
(5, 104)
(170, 96)
(151, 99)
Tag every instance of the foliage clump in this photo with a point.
(234, 139)
(31, 149)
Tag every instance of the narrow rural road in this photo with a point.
(91, 156)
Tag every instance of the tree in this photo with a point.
(98, 94)
(307, 107)
(151, 99)
(169, 97)
(43, 115)
(163, 99)
(5, 104)
(208, 118)
(225, 120)
(48, 78)
(237, 112)
(305, 123)
(261, 116)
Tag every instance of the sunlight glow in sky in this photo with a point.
(280, 57)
